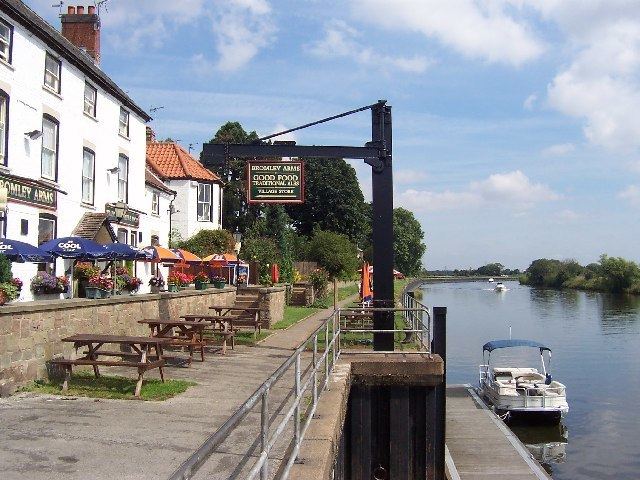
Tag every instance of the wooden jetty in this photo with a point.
(480, 446)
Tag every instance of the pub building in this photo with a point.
(72, 142)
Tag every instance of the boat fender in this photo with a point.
(548, 378)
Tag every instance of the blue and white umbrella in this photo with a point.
(75, 247)
(23, 252)
(122, 251)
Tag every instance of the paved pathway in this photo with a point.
(53, 437)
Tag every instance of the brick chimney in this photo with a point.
(83, 30)
(151, 135)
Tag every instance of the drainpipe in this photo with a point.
(171, 212)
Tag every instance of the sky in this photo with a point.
(516, 123)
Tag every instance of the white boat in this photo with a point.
(491, 280)
(518, 393)
(500, 287)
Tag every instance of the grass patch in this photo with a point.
(293, 315)
(84, 384)
(247, 337)
(347, 291)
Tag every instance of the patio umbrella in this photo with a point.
(122, 251)
(220, 258)
(157, 254)
(75, 247)
(366, 292)
(23, 252)
(186, 256)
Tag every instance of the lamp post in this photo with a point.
(237, 238)
(120, 210)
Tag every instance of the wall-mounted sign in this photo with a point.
(25, 191)
(130, 218)
(275, 182)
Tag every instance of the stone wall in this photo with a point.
(31, 332)
(270, 301)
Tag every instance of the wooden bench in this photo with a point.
(243, 317)
(179, 333)
(216, 325)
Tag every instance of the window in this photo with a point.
(134, 238)
(52, 73)
(123, 179)
(122, 235)
(49, 158)
(88, 175)
(155, 240)
(90, 97)
(6, 41)
(46, 228)
(4, 118)
(124, 123)
(155, 203)
(204, 202)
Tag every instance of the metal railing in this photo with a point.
(324, 348)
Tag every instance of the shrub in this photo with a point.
(5, 270)
(334, 253)
(264, 251)
(319, 279)
(208, 242)
(10, 291)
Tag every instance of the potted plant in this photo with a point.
(44, 283)
(175, 280)
(156, 284)
(219, 282)
(99, 286)
(62, 284)
(8, 292)
(131, 284)
(82, 272)
(18, 284)
(202, 281)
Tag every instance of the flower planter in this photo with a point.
(172, 287)
(155, 289)
(219, 284)
(94, 292)
(202, 285)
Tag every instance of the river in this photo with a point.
(595, 340)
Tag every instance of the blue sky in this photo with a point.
(516, 122)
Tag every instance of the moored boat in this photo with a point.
(500, 287)
(522, 394)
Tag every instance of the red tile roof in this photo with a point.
(170, 161)
(152, 179)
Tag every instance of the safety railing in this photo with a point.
(320, 351)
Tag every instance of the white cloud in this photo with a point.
(558, 150)
(409, 177)
(341, 40)
(530, 101)
(631, 194)
(509, 190)
(485, 30)
(568, 215)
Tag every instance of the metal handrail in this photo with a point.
(321, 365)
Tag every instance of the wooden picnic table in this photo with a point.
(217, 325)
(135, 352)
(178, 332)
(243, 316)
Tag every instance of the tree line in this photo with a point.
(489, 270)
(609, 274)
(330, 228)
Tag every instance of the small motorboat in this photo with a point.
(500, 287)
(522, 394)
(491, 280)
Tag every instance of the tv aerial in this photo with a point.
(99, 5)
(58, 6)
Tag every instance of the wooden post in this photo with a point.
(335, 294)
(439, 347)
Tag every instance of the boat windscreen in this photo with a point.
(495, 344)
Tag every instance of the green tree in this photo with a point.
(618, 274)
(208, 242)
(236, 212)
(490, 270)
(333, 201)
(335, 253)
(408, 245)
(542, 272)
(263, 250)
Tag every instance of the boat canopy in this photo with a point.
(495, 344)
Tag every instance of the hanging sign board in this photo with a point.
(275, 182)
(27, 191)
(131, 218)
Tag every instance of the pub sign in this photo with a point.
(275, 182)
(25, 191)
(131, 218)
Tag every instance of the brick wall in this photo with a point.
(30, 332)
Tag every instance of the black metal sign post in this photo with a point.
(376, 153)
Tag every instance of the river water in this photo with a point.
(595, 340)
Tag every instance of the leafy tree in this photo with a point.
(491, 269)
(236, 212)
(542, 272)
(335, 253)
(207, 242)
(408, 246)
(263, 250)
(333, 201)
(619, 274)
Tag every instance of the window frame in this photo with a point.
(210, 203)
(128, 124)
(51, 218)
(5, 141)
(9, 58)
(126, 179)
(55, 121)
(93, 177)
(155, 206)
(59, 77)
(93, 114)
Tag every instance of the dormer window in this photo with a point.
(52, 73)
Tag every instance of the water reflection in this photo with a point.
(547, 444)
(547, 300)
(619, 313)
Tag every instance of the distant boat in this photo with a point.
(491, 280)
(500, 287)
(522, 393)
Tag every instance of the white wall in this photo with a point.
(185, 220)
(29, 100)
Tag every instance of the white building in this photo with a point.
(72, 143)
(197, 205)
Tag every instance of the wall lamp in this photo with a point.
(113, 170)
(34, 134)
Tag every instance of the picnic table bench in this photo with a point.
(242, 316)
(216, 325)
(138, 356)
(178, 333)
